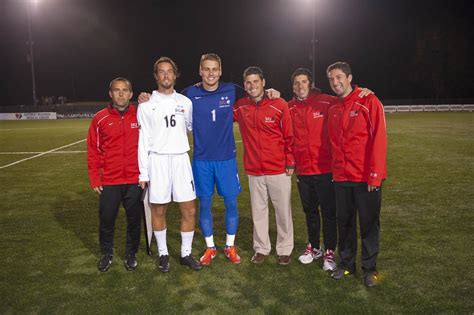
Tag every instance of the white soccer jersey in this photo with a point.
(164, 122)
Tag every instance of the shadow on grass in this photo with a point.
(79, 214)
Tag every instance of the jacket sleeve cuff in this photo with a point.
(375, 182)
(95, 183)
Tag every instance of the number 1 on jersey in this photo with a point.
(213, 113)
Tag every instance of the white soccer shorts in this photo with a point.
(171, 178)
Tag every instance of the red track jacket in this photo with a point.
(311, 142)
(357, 134)
(267, 134)
(112, 147)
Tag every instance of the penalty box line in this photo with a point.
(43, 153)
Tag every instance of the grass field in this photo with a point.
(49, 236)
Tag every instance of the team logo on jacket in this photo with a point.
(179, 109)
(224, 101)
(318, 115)
(354, 113)
(269, 119)
(134, 125)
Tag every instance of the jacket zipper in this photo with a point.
(123, 150)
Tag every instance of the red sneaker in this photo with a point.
(208, 256)
(231, 254)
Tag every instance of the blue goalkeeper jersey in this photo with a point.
(213, 134)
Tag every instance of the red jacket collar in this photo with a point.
(312, 94)
(259, 103)
(115, 111)
(353, 95)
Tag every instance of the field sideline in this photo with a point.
(49, 235)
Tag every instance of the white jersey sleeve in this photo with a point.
(188, 116)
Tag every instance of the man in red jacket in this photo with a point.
(357, 134)
(312, 154)
(112, 159)
(267, 134)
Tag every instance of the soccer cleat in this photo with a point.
(310, 254)
(105, 262)
(231, 253)
(209, 254)
(340, 272)
(190, 262)
(130, 262)
(329, 263)
(163, 263)
(370, 278)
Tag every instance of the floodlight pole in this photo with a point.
(31, 59)
(313, 41)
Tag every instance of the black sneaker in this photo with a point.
(190, 262)
(105, 262)
(340, 272)
(130, 262)
(163, 263)
(370, 278)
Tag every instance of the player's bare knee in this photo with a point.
(159, 211)
(189, 214)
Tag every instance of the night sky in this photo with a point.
(400, 49)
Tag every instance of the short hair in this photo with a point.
(302, 71)
(168, 60)
(253, 70)
(212, 57)
(120, 79)
(341, 65)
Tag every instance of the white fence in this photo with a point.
(387, 109)
(429, 108)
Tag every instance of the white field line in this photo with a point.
(43, 153)
(53, 151)
(38, 128)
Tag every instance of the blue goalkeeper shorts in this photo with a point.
(222, 174)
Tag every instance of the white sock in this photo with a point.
(186, 243)
(161, 242)
(229, 241)
(210, 241)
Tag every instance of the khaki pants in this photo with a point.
(278, 188)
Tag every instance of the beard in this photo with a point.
(166, 85)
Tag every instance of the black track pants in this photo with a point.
(317, 191)
(110, 199)
(350, 200)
